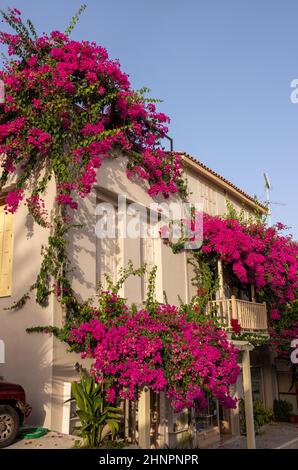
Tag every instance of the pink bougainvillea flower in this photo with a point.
(77, 107)
(161, 350)
(258, 255)
(13, 200)
(66, 200)
(236, 327)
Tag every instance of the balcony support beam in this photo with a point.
(144, 419)
(234, 307)
(221, 291)
(245, 347)
(247, 389)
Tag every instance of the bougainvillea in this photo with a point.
(285, 329)
(236, 327)
(258, 255)
(255, 254)
(176, 350)
(158, 348)
(68, 107)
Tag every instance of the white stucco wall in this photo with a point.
(28, 358)
(38, 361)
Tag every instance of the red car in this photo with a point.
(13, 411)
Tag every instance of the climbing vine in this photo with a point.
(254, 253)
(68, 107)
(170, 349)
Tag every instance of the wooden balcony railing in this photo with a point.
(252, 316)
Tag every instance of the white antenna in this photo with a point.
(268, 187)
(2, 92)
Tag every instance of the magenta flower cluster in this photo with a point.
(258, 255)
(67, 107)
(261, 256)
(162, 350)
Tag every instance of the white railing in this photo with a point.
(251, 316)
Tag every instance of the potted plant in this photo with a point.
(282, 410)
(98, 417)
(293, 419)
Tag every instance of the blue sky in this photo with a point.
(223, 69)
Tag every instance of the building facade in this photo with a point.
(40, 363)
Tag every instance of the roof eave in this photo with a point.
(222, 182)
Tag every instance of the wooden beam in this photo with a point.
(221, 280)
(144, 419)
(249, 414)
(163, 426)
(234, 307)
(253, 292)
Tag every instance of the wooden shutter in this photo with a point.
(6, 252)
(108, 252)
(148, 257)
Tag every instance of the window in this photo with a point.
(148, 257)
(125, 234)
(6, 252)
(207, 418)
(257, 383)
(208, 198)
(108, 244)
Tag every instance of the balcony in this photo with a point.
(252, 316)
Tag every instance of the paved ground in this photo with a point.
(273, 436)
(52, 440)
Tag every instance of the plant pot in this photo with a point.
(293, 419)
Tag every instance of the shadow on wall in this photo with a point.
(112, 181)
(82, 249)
(28, 358)
(83, 243)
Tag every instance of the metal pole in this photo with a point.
(269, 205)
(171, 142)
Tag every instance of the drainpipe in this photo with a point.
(171, 142)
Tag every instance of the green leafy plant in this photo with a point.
(258, 340)
(262, 416)
(67, 108)
(105, 298)
(185, 442)
(98, 418)
(160, 346)
(256, 218)
(282, 410)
